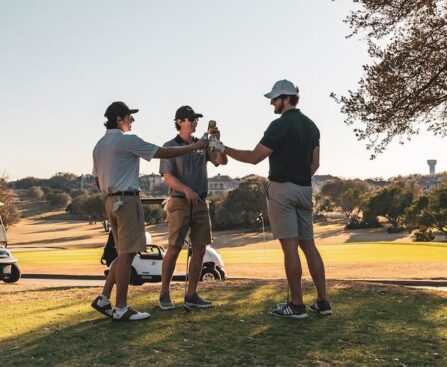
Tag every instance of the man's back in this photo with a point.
(292, 137)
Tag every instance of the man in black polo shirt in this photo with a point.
(187, 207)
(292, 143)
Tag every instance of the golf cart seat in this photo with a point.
(153, 252)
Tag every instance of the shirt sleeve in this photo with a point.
(95, 168)
(167, 165)
(317, 139)
(141, 148)
(274, 135)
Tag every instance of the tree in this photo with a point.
(406, 86)
(8, 211)
(63, 181)
(429, 211)
(91, 207)
(240, 208)
(349, 196)
(391, 203)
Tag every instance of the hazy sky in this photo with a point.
(63, 62)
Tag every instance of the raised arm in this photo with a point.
(172, 152)
(249, 156)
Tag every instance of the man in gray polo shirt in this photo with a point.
(187, 207)
(292, 143)
(116, 167)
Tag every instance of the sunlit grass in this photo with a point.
(340, 253)
(371, 326)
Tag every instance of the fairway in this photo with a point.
(348, 260)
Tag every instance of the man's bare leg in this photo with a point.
(122, 277)
(316, 267)
(293, 268)
(168, 267)
(110, 281)
(195, 268)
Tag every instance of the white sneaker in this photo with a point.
(129, 314)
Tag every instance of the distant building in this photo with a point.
(428, 183)
(221, 183)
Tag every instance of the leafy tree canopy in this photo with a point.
(406, 85)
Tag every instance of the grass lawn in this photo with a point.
(371, 326)
(347, 260)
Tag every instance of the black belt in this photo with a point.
(125, 193)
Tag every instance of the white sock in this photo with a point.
(103, 301)
(120, 311)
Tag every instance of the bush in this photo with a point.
(35, 193)
(153, 214)
(58, 200)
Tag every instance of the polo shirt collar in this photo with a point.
(178, 139)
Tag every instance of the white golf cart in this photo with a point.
(146, 266)
(9, 270)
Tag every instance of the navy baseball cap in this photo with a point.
(186, 112)
(118, 109)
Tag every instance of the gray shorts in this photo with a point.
(290, 210)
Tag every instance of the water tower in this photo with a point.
(432, 164)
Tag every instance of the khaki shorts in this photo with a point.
(290, 210)
(127, 224)
(179, 210)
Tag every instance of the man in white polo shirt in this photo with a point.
(116, 167)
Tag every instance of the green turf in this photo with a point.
(337, 253)
(371, 326)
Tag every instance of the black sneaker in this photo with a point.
(290, 310)
(196, 301)
(165, 303)
(322, 307)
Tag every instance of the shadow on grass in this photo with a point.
(371, 325)
(54, 240)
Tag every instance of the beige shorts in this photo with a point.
(179, 210)
(290, 210)
(127, 224)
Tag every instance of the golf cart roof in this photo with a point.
(152, 201)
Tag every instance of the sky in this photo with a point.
(63, 62)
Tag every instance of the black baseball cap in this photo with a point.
(186, 112)
(118, 109)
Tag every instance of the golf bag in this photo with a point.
(109, 253)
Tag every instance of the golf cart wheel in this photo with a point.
(135, 279)
(223, 275)
(14, 276)
(209, 275)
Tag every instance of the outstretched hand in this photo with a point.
(216, 145)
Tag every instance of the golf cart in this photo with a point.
(146, 266)
(9, 270)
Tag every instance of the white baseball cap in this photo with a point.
(282, 87)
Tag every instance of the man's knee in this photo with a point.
(199, 250)
(173, 250)
(306, 244)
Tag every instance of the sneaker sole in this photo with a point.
(193, 305)
(303, 316)
(100, 310)
(166, 308)
(324, 313)
(128, 320)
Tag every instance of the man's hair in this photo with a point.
(292, 99)
(177, 125)
(110, 124)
